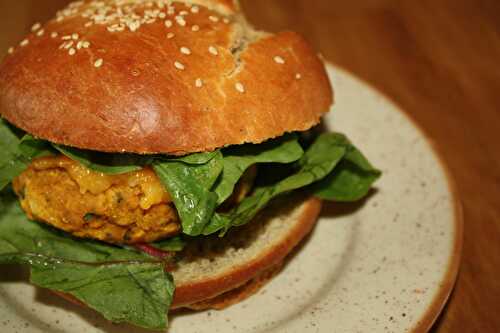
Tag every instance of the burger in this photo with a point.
(157, 155)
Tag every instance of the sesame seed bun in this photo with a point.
(176, 77)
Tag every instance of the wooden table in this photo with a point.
(440, 61)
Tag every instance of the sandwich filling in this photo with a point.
(130, 212)
(127, 208)
(121, 209)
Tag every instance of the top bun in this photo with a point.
(173, 77)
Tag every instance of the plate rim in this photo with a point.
(447, 284)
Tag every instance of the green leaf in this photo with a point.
(318, 161)
(113, 164)
(239, 158)
(12, 160)
(190, 187)
(196, 159)
(352, 179)
(32, 148)
(123, 285)
(174, 244)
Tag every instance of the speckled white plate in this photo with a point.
(385, 266)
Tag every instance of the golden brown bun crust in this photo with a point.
(221, 85)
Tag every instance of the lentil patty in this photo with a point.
(121, 209)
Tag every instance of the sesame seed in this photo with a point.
(240, 87)
(298, 76)
(71, 51)
(279, 60)
(195, 9)
(54, 34)
(170, 35)
(195, 28)
(24, 42)
(75, 36)
(185, 50)
(168, 23)
(199, 83)
(226, 20)
(66, 37)
(98, 63)
(162, 15)
(40, 33)
(213, 50)
(11, 50)
(213, 18)
(179, 66)
(88, 24)
(35, 27)
(184, 13)
(86, 45)
(68, 45)
(180, 21)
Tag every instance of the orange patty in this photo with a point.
(120, 209)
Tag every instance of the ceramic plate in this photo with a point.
(387, 265)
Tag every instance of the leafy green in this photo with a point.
(94, 273)
(113, 164)
(238, 159)
(174, 244)
(352, 179)
(97, 274)
(32, 148)
(190, 187)
(318, 161)
(198, 189)
(194, 159)
(12, 160)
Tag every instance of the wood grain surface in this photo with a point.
(440, 61)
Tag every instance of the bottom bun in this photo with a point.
(214, 273)
(212, 266)
(238, 294)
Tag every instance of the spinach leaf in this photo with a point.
(352, 179)
(32, 148)
(113, 164)
(238, 159)
(149, 289)
(318, 161)
(190, 188)
(94, 273)
(195, 159)
(12, 160)
(174, 244)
